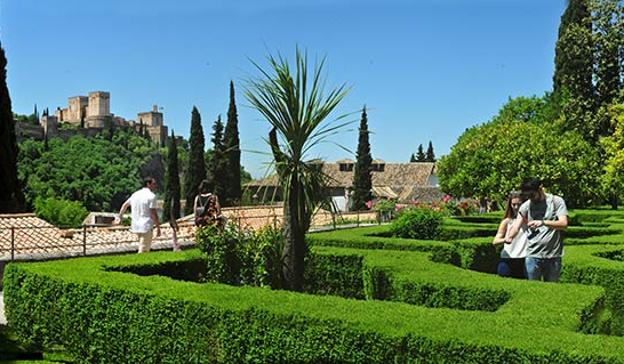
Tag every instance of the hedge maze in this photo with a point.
(370, 298)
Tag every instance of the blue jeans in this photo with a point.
(511, 267)
(547, 268)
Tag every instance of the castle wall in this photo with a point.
(25, 130)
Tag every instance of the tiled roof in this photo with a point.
(394, 175)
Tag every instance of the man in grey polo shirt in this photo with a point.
(545, 215)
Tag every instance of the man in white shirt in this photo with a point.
(143, 206)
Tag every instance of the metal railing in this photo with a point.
(40, 240)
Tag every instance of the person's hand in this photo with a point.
(508, 240)
(535, 224)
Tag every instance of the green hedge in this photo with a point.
(411, 306)
(84, 303)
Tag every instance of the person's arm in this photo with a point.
(560, 224)
(515, 228)
(122, 211)
(500, 234)
(154, 216)
(562, 217)
(217, 206)
(195, 206)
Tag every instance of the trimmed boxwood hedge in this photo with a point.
(411, 306)
(104, 315)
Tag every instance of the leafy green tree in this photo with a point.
(420, 154)
(612, 180)
(231, 143)
(11, 198)
(430, 156)
(196, 169)
(296, 107)
(493, 159)
(62, 213)
(608, 38)
(172, 182)
(362, 172)
(97, 172)
(219, 163)
(608, 20)
(573, 78)
(538, 110)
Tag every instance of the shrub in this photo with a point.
(61, 213)
(241, 256)
(385, 209)
(417, 224)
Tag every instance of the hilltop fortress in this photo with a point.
(88, 115)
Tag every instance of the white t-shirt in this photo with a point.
(140, 204)
(518, 246)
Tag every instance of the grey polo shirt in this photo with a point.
(544, 242)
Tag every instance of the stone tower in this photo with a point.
(76, 110)
(99, 109)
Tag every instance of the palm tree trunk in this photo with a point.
(294, 234)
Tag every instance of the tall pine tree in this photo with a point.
(231, 143)
(195, 170)
(430, 157)
(172, 182)
(219, 161)
(362, 173)
(572, 81)
(420, 154)
(11, 197)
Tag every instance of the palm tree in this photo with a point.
(296, 107)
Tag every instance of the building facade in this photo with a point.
(403, 182)
(89, 115)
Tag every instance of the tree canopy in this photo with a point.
(492, 159)
(97, 172)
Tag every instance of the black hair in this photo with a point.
(148, 180)
(204, 186)
(531, 184)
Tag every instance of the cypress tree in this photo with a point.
(172, 182)
(608, 20)
(362, 172)
(195, 170)
(11, 198)
(574, 61)
(219, 161)
(231, 143)
(430, 157)
(420, 155)
(35, 115)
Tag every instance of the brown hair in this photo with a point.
(509, 212)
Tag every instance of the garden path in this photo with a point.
(3, 320)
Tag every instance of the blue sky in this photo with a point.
(426, 69)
